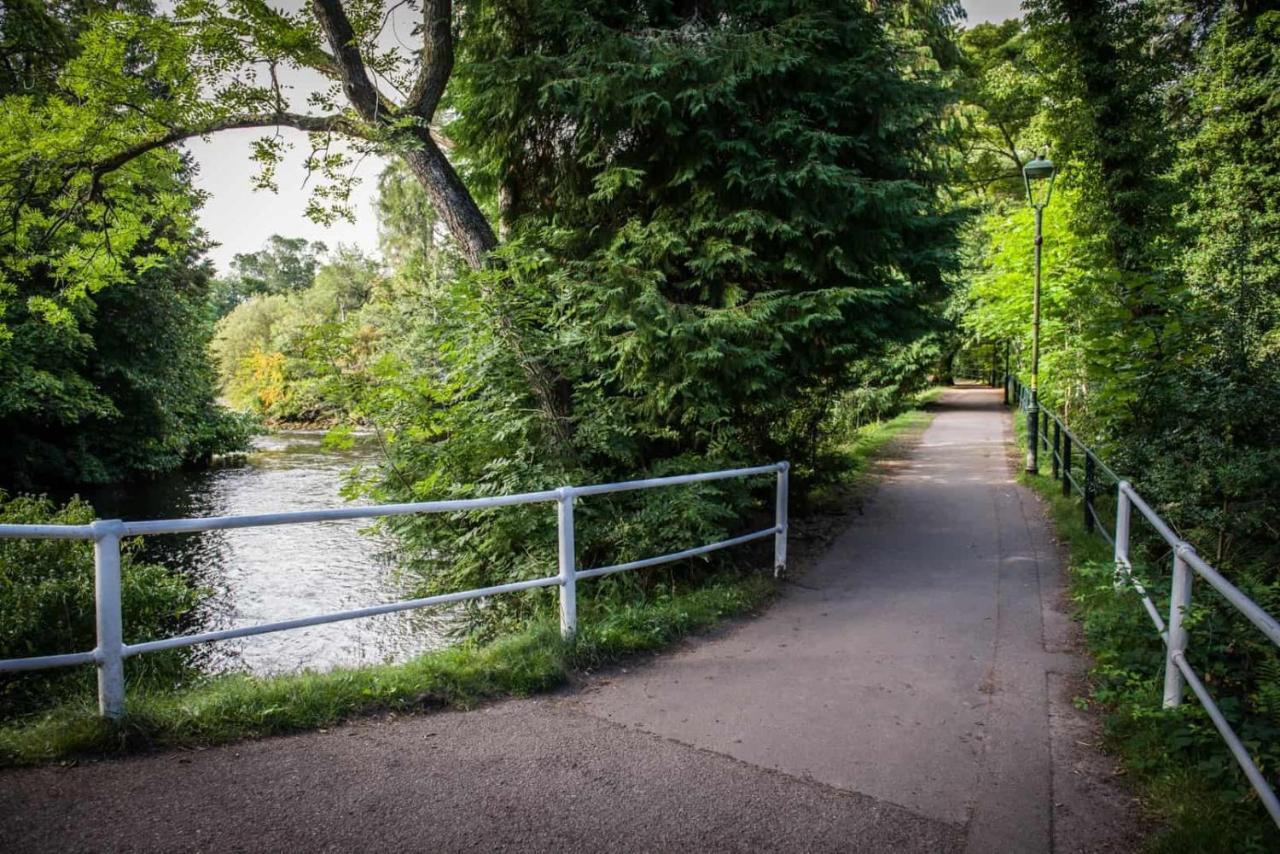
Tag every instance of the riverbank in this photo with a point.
(233, 707)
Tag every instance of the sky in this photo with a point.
(991, 11)
(241, 219)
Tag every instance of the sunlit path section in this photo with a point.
(915, 663)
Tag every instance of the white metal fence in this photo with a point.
(1178, 671)
(111, 650)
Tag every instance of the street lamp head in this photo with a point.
(1038, 177)
(1041, 167)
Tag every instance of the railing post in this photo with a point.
(1124, 509)
(1088, 490)
(568, 571)
(1057, 442)
(110, 651)
(1179, 601)
(780, 520)
(1066, 464)
(1044, 428)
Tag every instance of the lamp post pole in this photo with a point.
(1006, 372)
(1033, 408)
(1042, 172)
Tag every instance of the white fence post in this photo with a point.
(780, 520)
(568, 571)
(1124, 509)
(1179, 601)
(110, 652)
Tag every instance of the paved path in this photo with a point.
(910, 692)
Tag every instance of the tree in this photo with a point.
(288, 356)
(238, 51)
(284, 265)
(96, 382)
(1000, 95)
(1161, 304)
(717, 215)
(1224, 378)
(411, 237)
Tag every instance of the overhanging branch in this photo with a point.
(312, 124)
(304, 51)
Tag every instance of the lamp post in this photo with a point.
(1038, 177)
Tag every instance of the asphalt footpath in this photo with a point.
(910, 692)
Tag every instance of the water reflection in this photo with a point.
(265, 574)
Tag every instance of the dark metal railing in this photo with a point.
(1072, 462)
(1186, 564)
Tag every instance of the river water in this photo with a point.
(260, 575)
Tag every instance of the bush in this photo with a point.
(47, 607)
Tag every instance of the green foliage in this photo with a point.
(284, 265)
(292, 356)
(48, 608)
(744, 224)
(410, 233)
(111, 385)
(103, 374)
(1000, 98)
(1187, 775)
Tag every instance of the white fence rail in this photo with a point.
(111, 650)
(1178, 671)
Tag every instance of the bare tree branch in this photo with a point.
(312, 124)
(359, 88)
(436, 63)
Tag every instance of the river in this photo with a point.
(259, 575)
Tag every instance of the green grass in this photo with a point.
(234, 707)
(1126, 686)
(870, 440)
(856, 451)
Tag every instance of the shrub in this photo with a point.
(47, 607)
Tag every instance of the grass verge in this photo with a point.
(235, 707)
(860, 447)
(1162, 750)
(863, 446)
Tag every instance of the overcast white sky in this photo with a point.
(240, 219)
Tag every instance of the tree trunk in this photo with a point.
(470, 229)
(452, 201)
